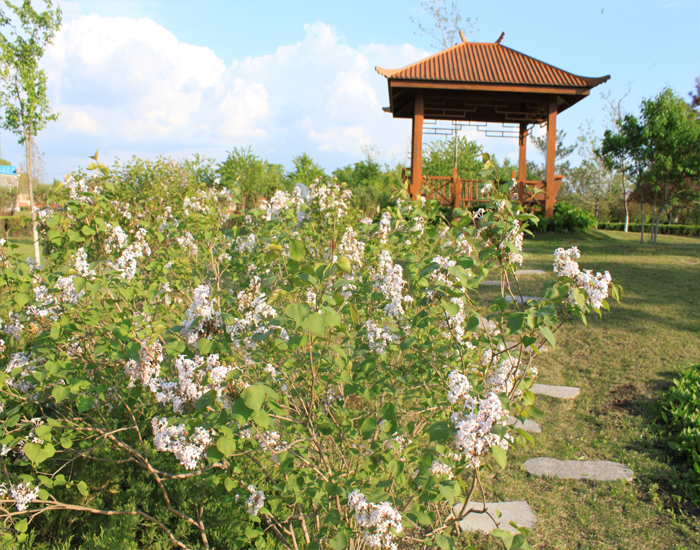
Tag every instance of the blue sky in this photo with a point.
(177, 77)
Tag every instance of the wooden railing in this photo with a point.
(461, 193)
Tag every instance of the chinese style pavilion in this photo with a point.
(487, 83)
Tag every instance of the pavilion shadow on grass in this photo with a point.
(485, 83)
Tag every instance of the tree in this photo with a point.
(592, 181)
(658, 153)
(23, 98)
(255, 176)
(672, 131)
(305, 171)
(445, 24)
(695, 96)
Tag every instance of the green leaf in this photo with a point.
(423, 518)
(315, 324)
(500, 456)
(344, 264)
(79, 283)
(297, 312)
(84, 403)
(87, 231)
(331, 317)
(439, 432)
(74, 236)
(445, 542)
(37, 453)
(549, 335)
(43, 494)
(450, 308)
(59, 393)
(21, 299)
(21, 525)
(204, 345)
(368, 427)
(339, 542)
(515, 322)
(297, 250)
(227, 446)
(83, 488)
(253, 396)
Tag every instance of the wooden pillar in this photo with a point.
(522, 162)
(417, 146)
(549, 186)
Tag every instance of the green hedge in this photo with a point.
(15, 226)
(567, 218)
(664, 229)
(680, 411)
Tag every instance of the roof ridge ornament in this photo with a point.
(500, 38)
(461, 35)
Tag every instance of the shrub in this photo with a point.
(681, 413)
(567, 218)
(298, 377)
(664, 229)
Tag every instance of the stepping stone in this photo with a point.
(599, 470)
(530, 272)
(491, 283)
(529, 425)
(519, 512)
(561, 392)
(522, 299)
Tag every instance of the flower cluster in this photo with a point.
(253, 306)
(22, 494)
(189, 451)
(255, 502)
(380, 523)
(81, 264)
(148, 365)
(245, 244)
(379, 337)
(279, 202)
(384, 227)
(388, 279)
(595, 286)
(514, 238)
(474, 435)
(329, 201)
(201, 308)
(195, 377)
(187, 242)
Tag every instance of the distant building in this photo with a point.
(8, 176)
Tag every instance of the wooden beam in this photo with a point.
(522, 162)
(488, 87)
(417, 145)
(550, 187)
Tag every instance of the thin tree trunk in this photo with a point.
(28, 145)
(654, 216)
(641, 205)
(627, 209)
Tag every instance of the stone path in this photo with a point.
(599, 470)
(529, 425)
(519, 512)
(561, 392)
(491, 283)
(521, 299)
(530, 272)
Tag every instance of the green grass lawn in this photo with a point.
(25, 246)
(622, 364)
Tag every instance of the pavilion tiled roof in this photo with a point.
(488, 63)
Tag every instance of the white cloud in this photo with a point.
(127, 84)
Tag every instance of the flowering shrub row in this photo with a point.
(289, 377)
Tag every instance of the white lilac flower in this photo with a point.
(595, 286)
(379, 337)
(245, 244)
(328, 201)
(388, 279)
(440, 468)
(23, 494)
(384, 227)
(187, 241)
(366, 221)
(190, 451)
(81, 264)
(15, 328)
(201, 308)
(418, 226)
(252, 304)
(352, 248)
(116, 238)
(279, 202)
(255, 502)
(474, 436)
(148, 365)
(515, 238)
(379, 522)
